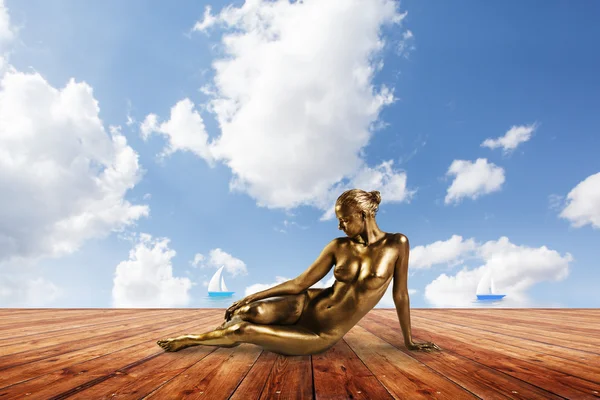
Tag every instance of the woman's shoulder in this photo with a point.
(398, 238)
(340, 241)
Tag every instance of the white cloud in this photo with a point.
(583, 203)
(473, 179)
(6, 36)
(197, 261)
(208, 21)
(146, 279)
(23, 290)
(514, 269)
(184, 131)
(218, 258)
(406, 45)
(391, 184)
(6, 31)
(292, 128)
(64, 178)
(257, 287)
(512, 139)
(555, 201)
(450, 252)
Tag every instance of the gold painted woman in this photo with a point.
(292, 319)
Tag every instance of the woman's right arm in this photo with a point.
(319, 268)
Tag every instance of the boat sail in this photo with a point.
(216, 286)
(486, 289)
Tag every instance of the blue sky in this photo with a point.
(139, 135)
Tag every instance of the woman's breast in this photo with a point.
(347, 271)
(372, 281)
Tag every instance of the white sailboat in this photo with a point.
(486, 289)
(216, 286)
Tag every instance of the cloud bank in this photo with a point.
(146, 278)
(294, 100)
(514, 269)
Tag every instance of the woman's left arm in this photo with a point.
(401, 299)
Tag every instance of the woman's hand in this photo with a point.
(428, 346)
(236, 305)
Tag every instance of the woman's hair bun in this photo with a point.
(376, 196)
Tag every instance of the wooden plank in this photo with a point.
(403, 376)
(138, 381)
(542, 375)
(16, 313)
(67, 381)
(340, 374)
(214, 377)
(88, 338)
(76, 353)
(254, 383)
(536, 349)
(525, 315)
(20, 330)
(480, 380)
(18, 343)
(533, 320)
(291, 378)
(568, 314)
(47, 319)
(561, 338)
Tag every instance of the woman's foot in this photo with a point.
(175, 344)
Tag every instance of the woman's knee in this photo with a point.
(238, 330)
(250, 311)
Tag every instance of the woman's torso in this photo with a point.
(362, 275)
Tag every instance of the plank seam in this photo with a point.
(246, 374)
(101, 379)
(175, 376)
(267, 380)
(367, 367)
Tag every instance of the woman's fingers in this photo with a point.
(430, 346)
(231, 309)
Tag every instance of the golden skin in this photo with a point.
(293, 319)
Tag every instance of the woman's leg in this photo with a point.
(245, 325)
(282, 310)
(288, 340)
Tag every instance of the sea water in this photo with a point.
(213, 302)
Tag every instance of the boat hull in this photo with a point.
(220, 294)
(490, 296)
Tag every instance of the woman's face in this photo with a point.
(350, 220)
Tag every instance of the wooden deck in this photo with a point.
(487, 353)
